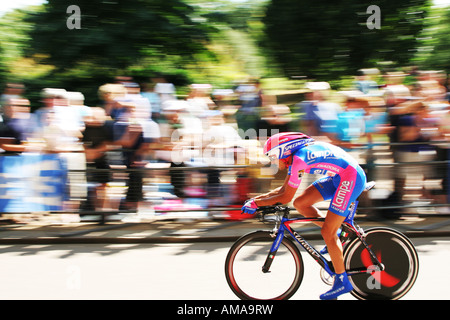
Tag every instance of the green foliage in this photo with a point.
(434, 41)
(13, 38)
(115, 33)
(116, 38)
(217, 42)
(3, 69)
(327, 39)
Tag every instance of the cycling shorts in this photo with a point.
(342, 189)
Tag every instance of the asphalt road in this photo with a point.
(167, 271)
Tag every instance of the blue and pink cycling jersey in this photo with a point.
(344, 181)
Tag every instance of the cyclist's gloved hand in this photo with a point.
(249, 207)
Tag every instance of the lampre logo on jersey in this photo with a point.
(344, 190)
(311, 155)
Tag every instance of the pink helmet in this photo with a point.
(282, 145)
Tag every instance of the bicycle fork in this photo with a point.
(273, 250)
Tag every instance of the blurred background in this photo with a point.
(146, 109)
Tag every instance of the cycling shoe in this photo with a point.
(341, 285)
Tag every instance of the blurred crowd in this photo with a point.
(208, 144)
(407, 113)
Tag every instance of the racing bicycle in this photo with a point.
(381, 262)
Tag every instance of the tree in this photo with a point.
(115, 33)
(327, 39)
(3, 69)
(435, 41)
(111, 38)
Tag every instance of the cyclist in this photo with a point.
(343, 182)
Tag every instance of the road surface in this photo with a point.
(168, 272)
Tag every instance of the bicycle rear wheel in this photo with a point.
(243, 268)
(399, 257)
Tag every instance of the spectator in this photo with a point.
(350, 125)
(310, 121)
(199, 100)
(415, 129)
(50, 97)
(54, 135)
(141, 105)
(275, 118)
(430, 85)
(58, 113)
(395, 91)
(362, 117)
(223, 97)
(12, 91)
(219, 140)
(320, 115)
(251, 99)
(71, 116)
(445, 155)
(364, 81)
(109, 94)
(181, 138)
(164, 89)
(148, 92)
(181, 129)
(397, 97)
(129, 134)
(97, 140)
(60, 134)
(18, 125)
(439, 114)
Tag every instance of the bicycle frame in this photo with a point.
(285, 226)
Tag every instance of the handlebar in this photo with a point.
(273, 209)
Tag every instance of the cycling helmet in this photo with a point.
(282, 145)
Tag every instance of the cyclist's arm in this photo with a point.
(283, 195)
(268, 194)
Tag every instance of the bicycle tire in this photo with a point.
(247, 256)
(399, 257)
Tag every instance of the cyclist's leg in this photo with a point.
(334, 246)
(341, 282)
(316, 192)
(349, 187)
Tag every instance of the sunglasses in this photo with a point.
(274, 153)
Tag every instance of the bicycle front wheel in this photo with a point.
(244, 262)
(399, 257)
